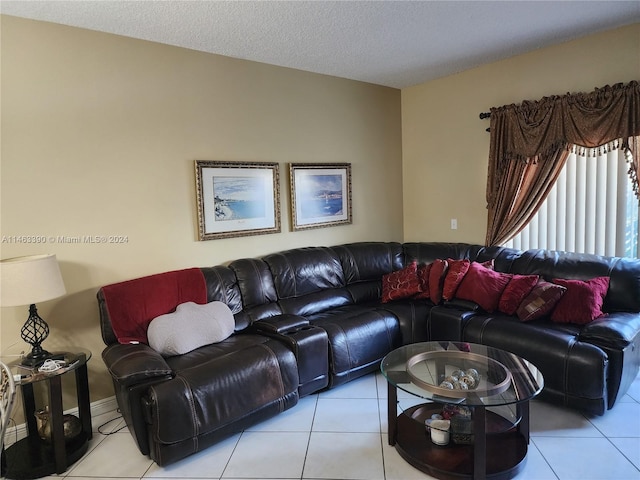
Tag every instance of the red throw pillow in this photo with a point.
(455, 273)
(423, 278)
(436, 279)
(582, 303)
(401, 283)
(517, 289)
(540, 301)
(483, 286)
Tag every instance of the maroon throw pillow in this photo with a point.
(436, 280)
(582, 302)
(402, 283)
(540, 301)
(517, 289)
(455, 274)
(483, 286)
(423, 278)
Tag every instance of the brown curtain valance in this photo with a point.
(527, 140)
(586, 119)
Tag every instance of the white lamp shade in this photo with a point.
(30, 279)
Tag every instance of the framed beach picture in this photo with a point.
(237, 199)
(320, 195)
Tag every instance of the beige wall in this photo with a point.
(99, 137)
(444, 143)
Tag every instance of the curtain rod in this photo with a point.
(483, 116)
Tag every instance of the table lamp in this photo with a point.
(27, 281)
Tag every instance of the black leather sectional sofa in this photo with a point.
(312, 318)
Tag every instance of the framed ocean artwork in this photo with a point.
(320, 195)
(237, 199)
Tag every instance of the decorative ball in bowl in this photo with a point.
(71, 425)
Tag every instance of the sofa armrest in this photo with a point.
(130, 364)
(447, 323)
(281, 323)
(460, 304)
(616, 330)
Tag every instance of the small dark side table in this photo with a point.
(33, 457)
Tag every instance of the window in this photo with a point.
(591, 209)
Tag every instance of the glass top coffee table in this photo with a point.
(484, 392)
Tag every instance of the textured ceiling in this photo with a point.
(392, 43)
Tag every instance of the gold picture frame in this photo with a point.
(320, 195)
(237, 199)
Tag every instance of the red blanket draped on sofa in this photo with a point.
(134, 303)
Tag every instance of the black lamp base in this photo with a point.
(34, 331)
(35, 360)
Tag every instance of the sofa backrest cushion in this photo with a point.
(222, 286)
(256, 286)
(502, 257)
(308, 280)
(131, 305)
(369, 260)
(302, 271)
(365, 263)
(317, 302)
(624, 273)
(427, 252)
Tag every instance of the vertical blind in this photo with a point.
(591, 209)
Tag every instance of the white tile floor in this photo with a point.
(342, 434)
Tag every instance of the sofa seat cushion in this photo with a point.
(219, 384)
(555, 349)
(616, 330)
(316, 302)
(359, 337)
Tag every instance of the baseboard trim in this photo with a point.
(100, 407)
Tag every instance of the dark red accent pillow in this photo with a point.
(483, 286)
(542, 299)
(582, 302)
(423, 278)
(517, 289)
(455, 273)
(436, 279)
(402, 283)
(134, 303)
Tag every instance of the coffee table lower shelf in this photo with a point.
(505, 458)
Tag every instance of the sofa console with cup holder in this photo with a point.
(201, 353)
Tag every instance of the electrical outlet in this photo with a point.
(454, 224)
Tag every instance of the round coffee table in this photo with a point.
(489, 434)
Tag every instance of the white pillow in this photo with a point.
(191, 326)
